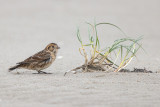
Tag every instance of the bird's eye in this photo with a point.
(52, 46)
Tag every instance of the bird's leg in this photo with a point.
(41, 72)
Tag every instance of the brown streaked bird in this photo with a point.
(40, 60)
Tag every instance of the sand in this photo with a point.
(27, 26)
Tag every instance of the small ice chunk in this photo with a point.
(74, 72)
(59, 57)
(70, 71)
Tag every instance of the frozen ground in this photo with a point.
(27, 26)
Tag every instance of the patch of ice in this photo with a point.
(74, 72)
(59, 57)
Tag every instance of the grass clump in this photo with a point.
(114, 57)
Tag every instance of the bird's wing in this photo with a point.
(37, 58)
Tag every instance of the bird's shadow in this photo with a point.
(22, 73)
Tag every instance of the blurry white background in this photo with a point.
(27, 26)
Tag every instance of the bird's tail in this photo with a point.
(13, 68)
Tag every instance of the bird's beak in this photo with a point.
(58, 47)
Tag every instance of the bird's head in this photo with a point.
(52, 47)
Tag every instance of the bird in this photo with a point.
(40, 60)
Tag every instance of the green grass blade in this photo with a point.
(78, 36)
(112, 25)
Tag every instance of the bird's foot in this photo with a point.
(41, 72)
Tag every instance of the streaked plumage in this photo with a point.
(40, 60)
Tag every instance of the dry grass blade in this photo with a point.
(125, 50)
